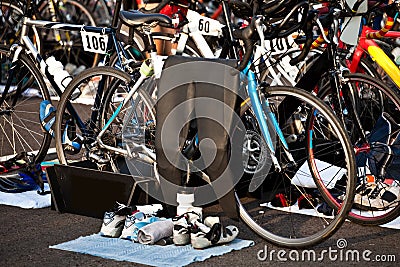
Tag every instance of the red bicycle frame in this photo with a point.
(367, 46)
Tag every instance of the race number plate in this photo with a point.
(203, 25)
(94, 42)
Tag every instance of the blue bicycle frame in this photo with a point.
(263, 113)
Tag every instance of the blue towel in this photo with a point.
(125, 250)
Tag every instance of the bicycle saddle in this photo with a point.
(137, 18)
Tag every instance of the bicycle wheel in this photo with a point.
(372, 98)
(66, 46)
(11, 14)
(101, 10)
(279, 209)
(20, 127)
(79, 120)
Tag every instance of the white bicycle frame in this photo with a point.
(198, 27)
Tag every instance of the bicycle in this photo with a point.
(369, 98)
(367, 47)
(26, 70)
(100, 138)
(13, 136)
(359, 100)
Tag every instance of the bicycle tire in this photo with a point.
(257, 206)
(375, 97)
(20, 126)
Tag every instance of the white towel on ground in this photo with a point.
(155, 231)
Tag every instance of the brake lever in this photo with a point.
(260, 27)
(336, 14)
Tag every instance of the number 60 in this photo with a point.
(205, 26)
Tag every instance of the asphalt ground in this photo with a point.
(26, 235)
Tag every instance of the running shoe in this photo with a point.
(380, 196)
(202, 236)
(113, 221)
(182, 225)
(181, 231)
(129, 225)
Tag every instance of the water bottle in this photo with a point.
(56, 69)
(185, 204)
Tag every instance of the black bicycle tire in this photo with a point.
(37, 75)
(395, 212)
(332, 228)
(104, 70)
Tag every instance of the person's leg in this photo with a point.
(164, 47)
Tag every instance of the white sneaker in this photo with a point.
(182, 225)
(112, 224)
(128, 231)
(181, 231)
(113, 221)
(378, 197)
(216, 235)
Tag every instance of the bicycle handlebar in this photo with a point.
(379, 34)
(311, 18)
(391, 11)
(246, 34)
